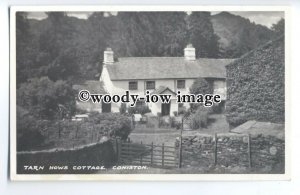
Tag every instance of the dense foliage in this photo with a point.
(200, 86)
(45, 99)
(29, 130)
(115, 124)
(202, 36)
(255, 85)
(140, 109)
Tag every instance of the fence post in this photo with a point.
(59, 129)
(163, 155)
(152, 153)
(76, 129)
(117, 150)
(249, 151)
(180, 153)
(128, 152)
(180, 145)
(141, 157)
(93, 131)
(216, 150)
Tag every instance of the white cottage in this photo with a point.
(161, 75)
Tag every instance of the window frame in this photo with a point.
(178, 86)
(130, 82)
(147, 85)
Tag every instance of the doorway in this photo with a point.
(165, 109)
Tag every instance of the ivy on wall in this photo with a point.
(255, 85)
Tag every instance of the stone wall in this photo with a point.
(99, 154)
(263, 154)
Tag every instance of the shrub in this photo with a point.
(165, 122)
(152, 122)
(200, 117)
(181, 110)
(200, 86)
(218, 108)
(115, 124)
(175, 113)
(176, 123)
(46, 99)
(29, 134)
(131, 110)
(123, 108)
(141, 109)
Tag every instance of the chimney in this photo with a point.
(190, 53)
(108, 56)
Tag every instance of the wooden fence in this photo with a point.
(146, 154)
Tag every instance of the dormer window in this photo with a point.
(150, 85)
(133, 85)
(180, 84)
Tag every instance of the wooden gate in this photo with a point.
(147, 154)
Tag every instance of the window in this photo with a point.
(133, 85)
(150, 85)
(180, 84)
(140, 103)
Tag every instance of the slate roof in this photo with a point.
(131, 68)
(256, 127)
(91, 85)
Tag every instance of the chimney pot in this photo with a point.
(190, 53)
(108, 56)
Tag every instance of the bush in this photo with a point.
(200, 86)
(218, 108)
(46, 99)
(29, 131)
(200, 118)
(115, 124)
(141, 109)
(176, 123)
(123, 108)
(182, 110)
(165, 122)
(152, 122)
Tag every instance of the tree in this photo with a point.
(96, 37)
(200, 86)
(202, 36)
(172, 31)
(26, 48)
(134, 34)
(42, 97)
(278, 28)
(58, 52)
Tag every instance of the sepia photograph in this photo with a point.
(148, 93)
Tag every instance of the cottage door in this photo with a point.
(165, 109)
